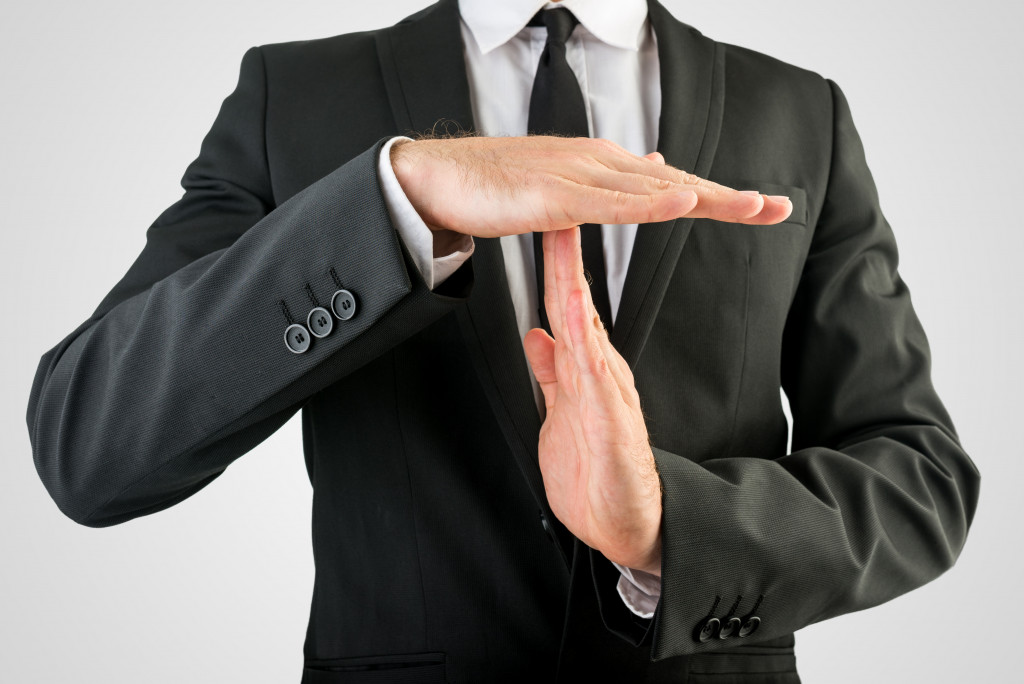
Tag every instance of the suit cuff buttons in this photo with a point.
(319, 321)
(296, 338)
(713, 628)
(343, 304)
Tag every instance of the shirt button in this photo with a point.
(319, 322)
(343, 304)
(296, 338)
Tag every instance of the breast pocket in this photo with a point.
(772, 256)
(720, 325)
(795, 194)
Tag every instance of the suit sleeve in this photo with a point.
(876, 497)
(183, 367)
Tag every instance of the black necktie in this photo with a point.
(556, 106)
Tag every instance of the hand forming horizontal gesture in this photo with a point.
(489, 187)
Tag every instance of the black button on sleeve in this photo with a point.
(750, 625)
(729, 628)
(343, 304)
(707, 630)
(297, 338)
(320, 322)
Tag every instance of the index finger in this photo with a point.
(551, 301)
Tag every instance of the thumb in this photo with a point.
(540, 352)
(655, 157)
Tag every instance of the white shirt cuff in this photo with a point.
(639, 590)
(418, 238)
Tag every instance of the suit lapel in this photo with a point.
(424, 74)
(488, 323)
(692, 97)
(424, 71)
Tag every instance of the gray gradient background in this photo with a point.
(106, 102)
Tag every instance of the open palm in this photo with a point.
(595, 458)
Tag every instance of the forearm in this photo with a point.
(877, 496)
(153, 398)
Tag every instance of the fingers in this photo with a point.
(585, 204)
(540, 352)
(586, 334)
(632, 183)
(568, 275)
(715, 201)
(551, 302)
(776, 209)
(594, 378)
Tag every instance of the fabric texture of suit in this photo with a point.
(437, 556)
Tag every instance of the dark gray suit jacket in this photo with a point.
(437, 557)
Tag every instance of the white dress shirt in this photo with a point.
(614, 56)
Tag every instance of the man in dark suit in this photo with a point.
(637, 516)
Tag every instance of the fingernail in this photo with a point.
(688, 195)
(750, 192)
(781, 199)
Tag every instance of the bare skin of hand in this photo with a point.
(488, 187)
(595, 457)
(597, 464)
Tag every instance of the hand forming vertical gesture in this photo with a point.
(598, 468)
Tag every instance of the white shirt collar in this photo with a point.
(495, 22)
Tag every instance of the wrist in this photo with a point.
(406, 161)
(402, 163)
(649, 559)
(653, 564)
(654, 510)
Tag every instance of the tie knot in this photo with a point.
(560, 23)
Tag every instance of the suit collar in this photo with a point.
(617, 23)
(424, 74)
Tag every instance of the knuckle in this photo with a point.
(631, 396)
(621, 203)
(622, 199)
(650, 204)
(661, 184)
(601, 367)
(547, 180)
